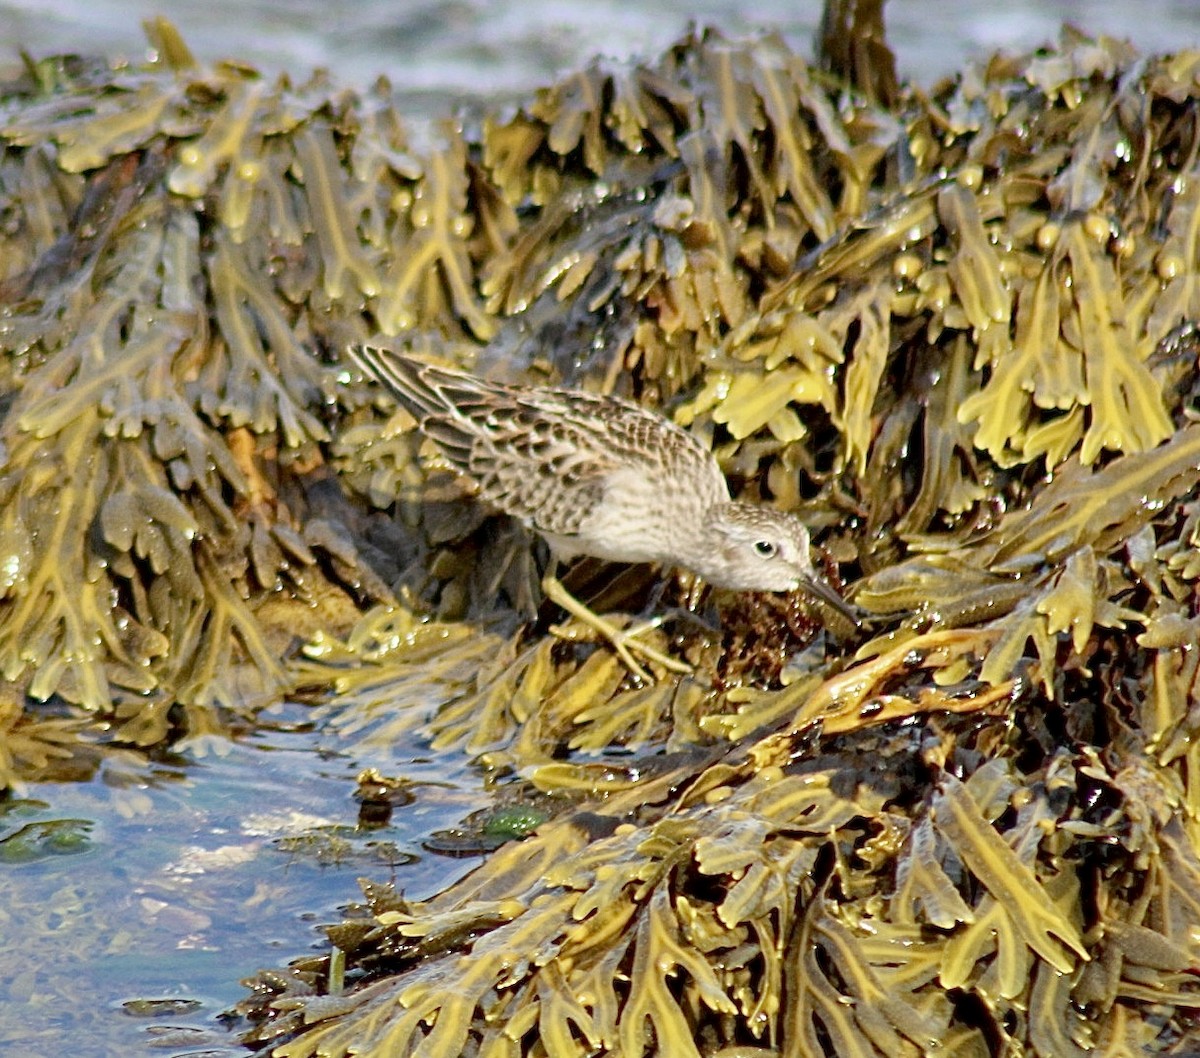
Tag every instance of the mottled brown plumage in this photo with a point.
(601, 476)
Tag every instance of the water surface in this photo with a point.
(200, 870)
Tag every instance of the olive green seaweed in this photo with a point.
(954, 328)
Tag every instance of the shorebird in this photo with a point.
(604, 477)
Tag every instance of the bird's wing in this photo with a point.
(543, 455)
(534, 455)
(404, 376)
(527, 450)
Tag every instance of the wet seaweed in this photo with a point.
(950, 340)
(949, 327)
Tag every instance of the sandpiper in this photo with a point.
(602, 476)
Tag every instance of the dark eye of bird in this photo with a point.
(764, 548)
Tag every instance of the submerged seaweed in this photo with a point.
(953, 329)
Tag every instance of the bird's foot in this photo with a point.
(624, 641)
(626, 644)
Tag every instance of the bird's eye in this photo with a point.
(764, 548)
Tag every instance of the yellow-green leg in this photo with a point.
(624, 641)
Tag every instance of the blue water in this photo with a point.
(189, 886)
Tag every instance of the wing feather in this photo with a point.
(542, 455)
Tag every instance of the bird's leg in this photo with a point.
(624, 642)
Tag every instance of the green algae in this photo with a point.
(46, 837)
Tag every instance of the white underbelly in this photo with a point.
(636, 522)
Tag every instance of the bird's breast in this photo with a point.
(640, 518)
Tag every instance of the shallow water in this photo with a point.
(193, 880)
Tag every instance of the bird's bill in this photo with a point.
(830, 603)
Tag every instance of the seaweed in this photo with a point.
(953, 329)
(965, 369)
(154, 375)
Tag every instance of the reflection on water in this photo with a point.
(197, 873)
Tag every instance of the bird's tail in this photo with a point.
(412, 382)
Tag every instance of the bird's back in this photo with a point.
(592, 473)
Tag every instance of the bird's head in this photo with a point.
(752, 548)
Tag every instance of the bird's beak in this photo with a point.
(831, 605)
